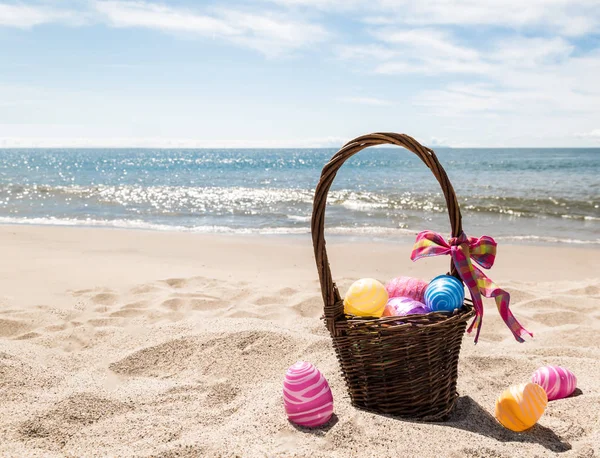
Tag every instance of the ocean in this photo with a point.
(517, 195)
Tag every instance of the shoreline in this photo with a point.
(303, 233)
(165, 254)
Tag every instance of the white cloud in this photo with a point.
(529, 52)
(565, 17)
(593, 134)
(422, 50)
(366, 101)
(370, 51)
(270, 33)
(24, 16)
(432, 51)
(568, 17)
(325, 5)
(434, 41)
(154, 16)
(538, 76)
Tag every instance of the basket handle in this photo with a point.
(334, 307)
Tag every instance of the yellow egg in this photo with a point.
(366, 297)
(521, 406)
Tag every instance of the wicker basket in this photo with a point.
(406, 369)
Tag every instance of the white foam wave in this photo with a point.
(547, 239)
(144, 225)
(581, 217)
(301, 219)
(366, 231)
(362, 206)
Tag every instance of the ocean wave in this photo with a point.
(194, 200)
(299, 218)
(209, 229)
(363, 231)
(547, 239)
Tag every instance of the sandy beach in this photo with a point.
(165, 344)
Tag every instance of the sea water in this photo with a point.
(538, 195)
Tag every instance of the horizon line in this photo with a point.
(287, 147)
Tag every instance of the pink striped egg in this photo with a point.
(558, 382)
(306, 395)
(407, 287)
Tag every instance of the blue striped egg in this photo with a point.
(444, 294)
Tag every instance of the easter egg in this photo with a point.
(444, 293)
(402, 306)
(366, 297)
(407, 287)
(306, 395)
(558, 382)
(521, 406)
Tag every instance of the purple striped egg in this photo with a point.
(558, 382)
(306, 395)
(402, 306)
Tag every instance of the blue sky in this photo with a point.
(299, 72)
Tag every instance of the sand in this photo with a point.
(133, 343)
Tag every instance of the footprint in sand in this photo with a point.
(174, 304)
(267, 300)
(55, 427)
(145, 289)
(492, 337)
(555, 302)
(81, 292)
(218, 394)
(176, 282)
(104, 299)
(517, 296)
(580, 337)
(136, 305)
(27, 336)
(204, 354)
(245, 314)
(311, 307)
(193, 301)
(10, 328)
(56, 327)
(21, 374)
(559, 318)
(559, 352)
(287, 292)
(590, 290)
(207, 304)
(103, 322)
(498, 370)
(128, 313)
(320, 330)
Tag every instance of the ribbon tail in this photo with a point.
(476, 323)
(464, 267)
(502, 297)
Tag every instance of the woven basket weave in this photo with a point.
(406, 369)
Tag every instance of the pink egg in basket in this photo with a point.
(402, 306)
(407, 287)
(306, 395)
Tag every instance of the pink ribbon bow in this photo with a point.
(483, 252)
